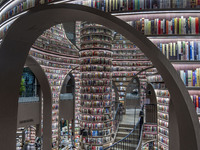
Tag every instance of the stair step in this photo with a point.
(133, 140)
(125, 129)
(126, 125)
(123, 134)
(124, 146)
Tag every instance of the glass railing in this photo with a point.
(28, 99)
(66, 96)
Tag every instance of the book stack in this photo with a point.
(176, 26)
(181, 50)
(128, 5)
(190, 77)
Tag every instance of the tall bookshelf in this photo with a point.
(163, 99)
(57, 56)
(128, 60)
(96, 86)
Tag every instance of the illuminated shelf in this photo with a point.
(174, 36)
(192, 88)
(155, 11)
(185, 61)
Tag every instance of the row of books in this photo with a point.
(155, 78)
(150, 128)
(149, 136)
(96, 75)
(96, 46)
(49, 71)
(162, 100)
(129, 63)
(96, 38)
(163, 131)
(126, 52)
(103, 82)
(163, 116)
(190, 25)
(54, 64)
(181, 50)
(95, 31)
(128, 74)
(95, 111)
(96, 140)
(95, 118)
(164, 109)
(98, 53)
(122, 46)
(96, 60)
(161, 93)
(94, 104)
(196, 101)
(126, 69)
(163, 139)
(96, 97)
(190, 77)
(95, 89)
(128, 5)
(95, 68)
(163, 123)
(159, 86)
(96, 125)
(55, 58)
(130, 57)
(22, 6)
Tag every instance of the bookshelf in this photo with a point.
(96, 86)
(128, 6)
(57, 56)
(128, 60)
(162, 99)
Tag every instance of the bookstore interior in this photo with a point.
(77, 67)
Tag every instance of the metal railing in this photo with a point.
(131, 140)
(150, 113)
(117, 117)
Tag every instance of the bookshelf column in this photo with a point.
(96, 86)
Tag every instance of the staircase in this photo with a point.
(125, 127)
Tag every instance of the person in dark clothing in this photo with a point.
(141, 119)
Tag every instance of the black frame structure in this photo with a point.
(26, 29)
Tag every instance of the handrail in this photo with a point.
(153, 140)
(140, 141)
(117, 111)
(125, 136)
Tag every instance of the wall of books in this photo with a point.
(57, 56)
(128, 60)
(163, 99)
(132, 5)
(96, 86)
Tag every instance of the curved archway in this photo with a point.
(24, 31)
(47, 98)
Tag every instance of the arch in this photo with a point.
(47, 98)
(24, 31)
(66, 80)
(130, 100)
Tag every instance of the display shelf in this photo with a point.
(192, 88)
(101, 91)
(162, 100)
(185, 61)
(35, 48)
